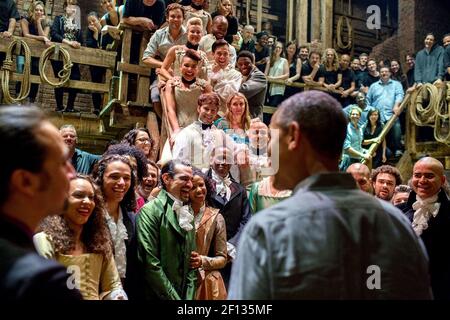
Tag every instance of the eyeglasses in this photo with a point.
(143, 140)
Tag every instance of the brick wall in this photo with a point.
(416, 19)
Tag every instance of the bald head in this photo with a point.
(219, 27)
(361, 174)
(428, 177)
(433, 163)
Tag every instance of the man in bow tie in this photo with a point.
(195, 142)
(231, 199)
(166, 237)
(428, 209)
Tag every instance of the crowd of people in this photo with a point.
(232, 207)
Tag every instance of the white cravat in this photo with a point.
(184, 215)
(423, 210)
(222, 185)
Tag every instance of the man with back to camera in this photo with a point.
(34, 183)
(320, 242)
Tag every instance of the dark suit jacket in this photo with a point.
(131, 283)
(236, 211)
(57, 31)
(24, 275)
(254, 89)
(436, 239)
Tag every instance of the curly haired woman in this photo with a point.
(79, 239)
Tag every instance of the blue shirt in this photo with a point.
(384, 96)
(354, 138)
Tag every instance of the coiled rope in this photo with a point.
(435, 113)
(339, 40)
(7, 70)
(442, 124)
(421, 114)
(64, 73)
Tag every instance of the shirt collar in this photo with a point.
(381, 82)
(326, 181)
(174, 199)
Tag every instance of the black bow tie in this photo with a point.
(206, 126)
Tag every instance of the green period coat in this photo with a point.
(164, 250)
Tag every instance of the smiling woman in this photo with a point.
(79, 240)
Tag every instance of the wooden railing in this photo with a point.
(82, 56)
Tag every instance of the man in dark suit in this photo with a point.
(428, 208)
(34, 183)
(254, 83)
(231, 199)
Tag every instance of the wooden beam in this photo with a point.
(259, 16)
(327, 24)
(125, 58)
(290, 20)
(76, 84)
(315, 20)
(302, 21)
(134, 68)
(83, 55)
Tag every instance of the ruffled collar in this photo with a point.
(424, 209)
(119, 234)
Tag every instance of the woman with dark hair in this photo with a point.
(137, 158)
(397, 74)
(277, 69)
(211, 240)
(371, 131)
(114, 175)
(141, 139)
(79, 239)
(295, 68)
(182, 93)
(66, 29)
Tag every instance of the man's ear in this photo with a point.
(443, 179)
(294, 135)
(165, 178)
(25, 182)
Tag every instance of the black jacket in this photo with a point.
(57, 31)
(24, 275)
(436, 239)
(131, 283)
(236, 211)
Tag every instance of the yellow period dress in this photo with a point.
(94, 276)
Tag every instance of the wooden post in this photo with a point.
(143, 85)
(327, 24)
(410, 143)
(259, 15)
(289, 20)
(126, 48)
(302, 21)
(315, 21)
